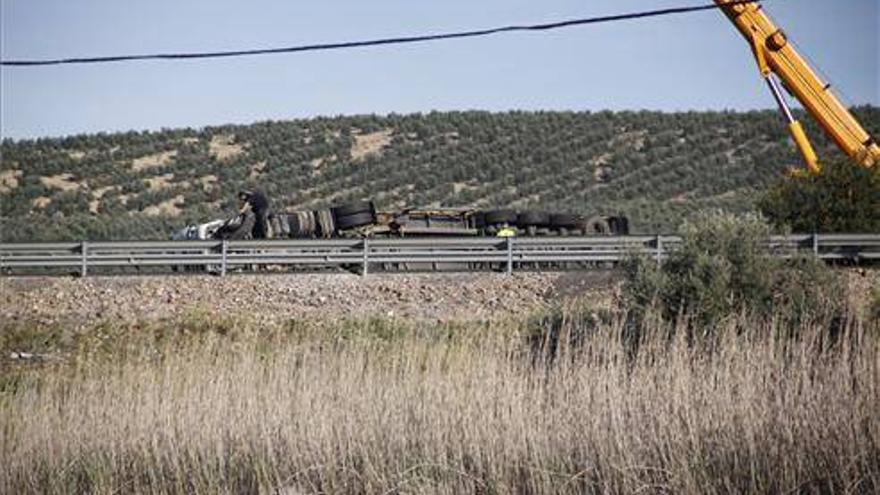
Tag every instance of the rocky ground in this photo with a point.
(272, 298)
(279, 297)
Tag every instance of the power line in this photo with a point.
(376, 42)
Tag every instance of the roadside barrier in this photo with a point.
(389, 254)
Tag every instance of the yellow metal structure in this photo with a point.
(775, 55)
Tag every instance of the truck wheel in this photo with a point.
(352, 221)
(308, 223)
(301, 224)
(350, 209)
(293, 224)
(478, 220)
(619, 225)
(494, 217)
(274, 227)
(326, 225)
(563, 220)
(597, 225)
(284, 222)
(533, 219)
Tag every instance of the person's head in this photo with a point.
(243, 197)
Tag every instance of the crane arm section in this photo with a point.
(775, 55)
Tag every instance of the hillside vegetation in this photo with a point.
(654, 167)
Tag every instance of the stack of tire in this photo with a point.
(326, 223)
(353, 215)
(302, 224)
(279, 225)
(534, 222)
(538, 223)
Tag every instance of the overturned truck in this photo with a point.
(362, 219)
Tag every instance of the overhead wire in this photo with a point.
(374, 42)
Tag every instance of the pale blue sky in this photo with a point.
(690, 62)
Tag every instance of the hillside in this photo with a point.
(653, 167)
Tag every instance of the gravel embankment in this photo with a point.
(277, 297)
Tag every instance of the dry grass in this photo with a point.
(208, 182)
(62, 182)
(370, 144)
(159, 182)
(41, 202)
(153, 161)
(170, 207)
(97, 195)
(9, 180)
(76, 154)
(379, 407)
(223, 147)
(256, 170)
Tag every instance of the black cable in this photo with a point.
(384, 41)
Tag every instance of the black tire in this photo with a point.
(597, 225)
(244, 230)
(478, 220)
(533, 219)
(294, 226)
(619, 225)
(284, 221)
(353, 221)
(564, 220)
(301, 224)
(495, 217)
(275, 227)
(326, 226)
(308, 223)
(351, 209)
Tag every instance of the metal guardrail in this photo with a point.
(452, 253)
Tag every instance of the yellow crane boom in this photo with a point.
(775, 55)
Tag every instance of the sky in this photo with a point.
(687, 62)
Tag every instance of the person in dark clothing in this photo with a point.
(258, 203)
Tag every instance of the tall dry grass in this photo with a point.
(476, 410)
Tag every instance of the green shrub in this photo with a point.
(805, 288)
(724, 267)
(844, 198)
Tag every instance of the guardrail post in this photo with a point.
(224, 248)
(659, 245)
(84, 250)
(509, 255)
(816, 244)
(366, 261)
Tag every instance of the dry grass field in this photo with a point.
(384, 406)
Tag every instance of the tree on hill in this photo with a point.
(844, 198)
(655, 167)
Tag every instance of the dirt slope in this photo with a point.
(274, 298)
